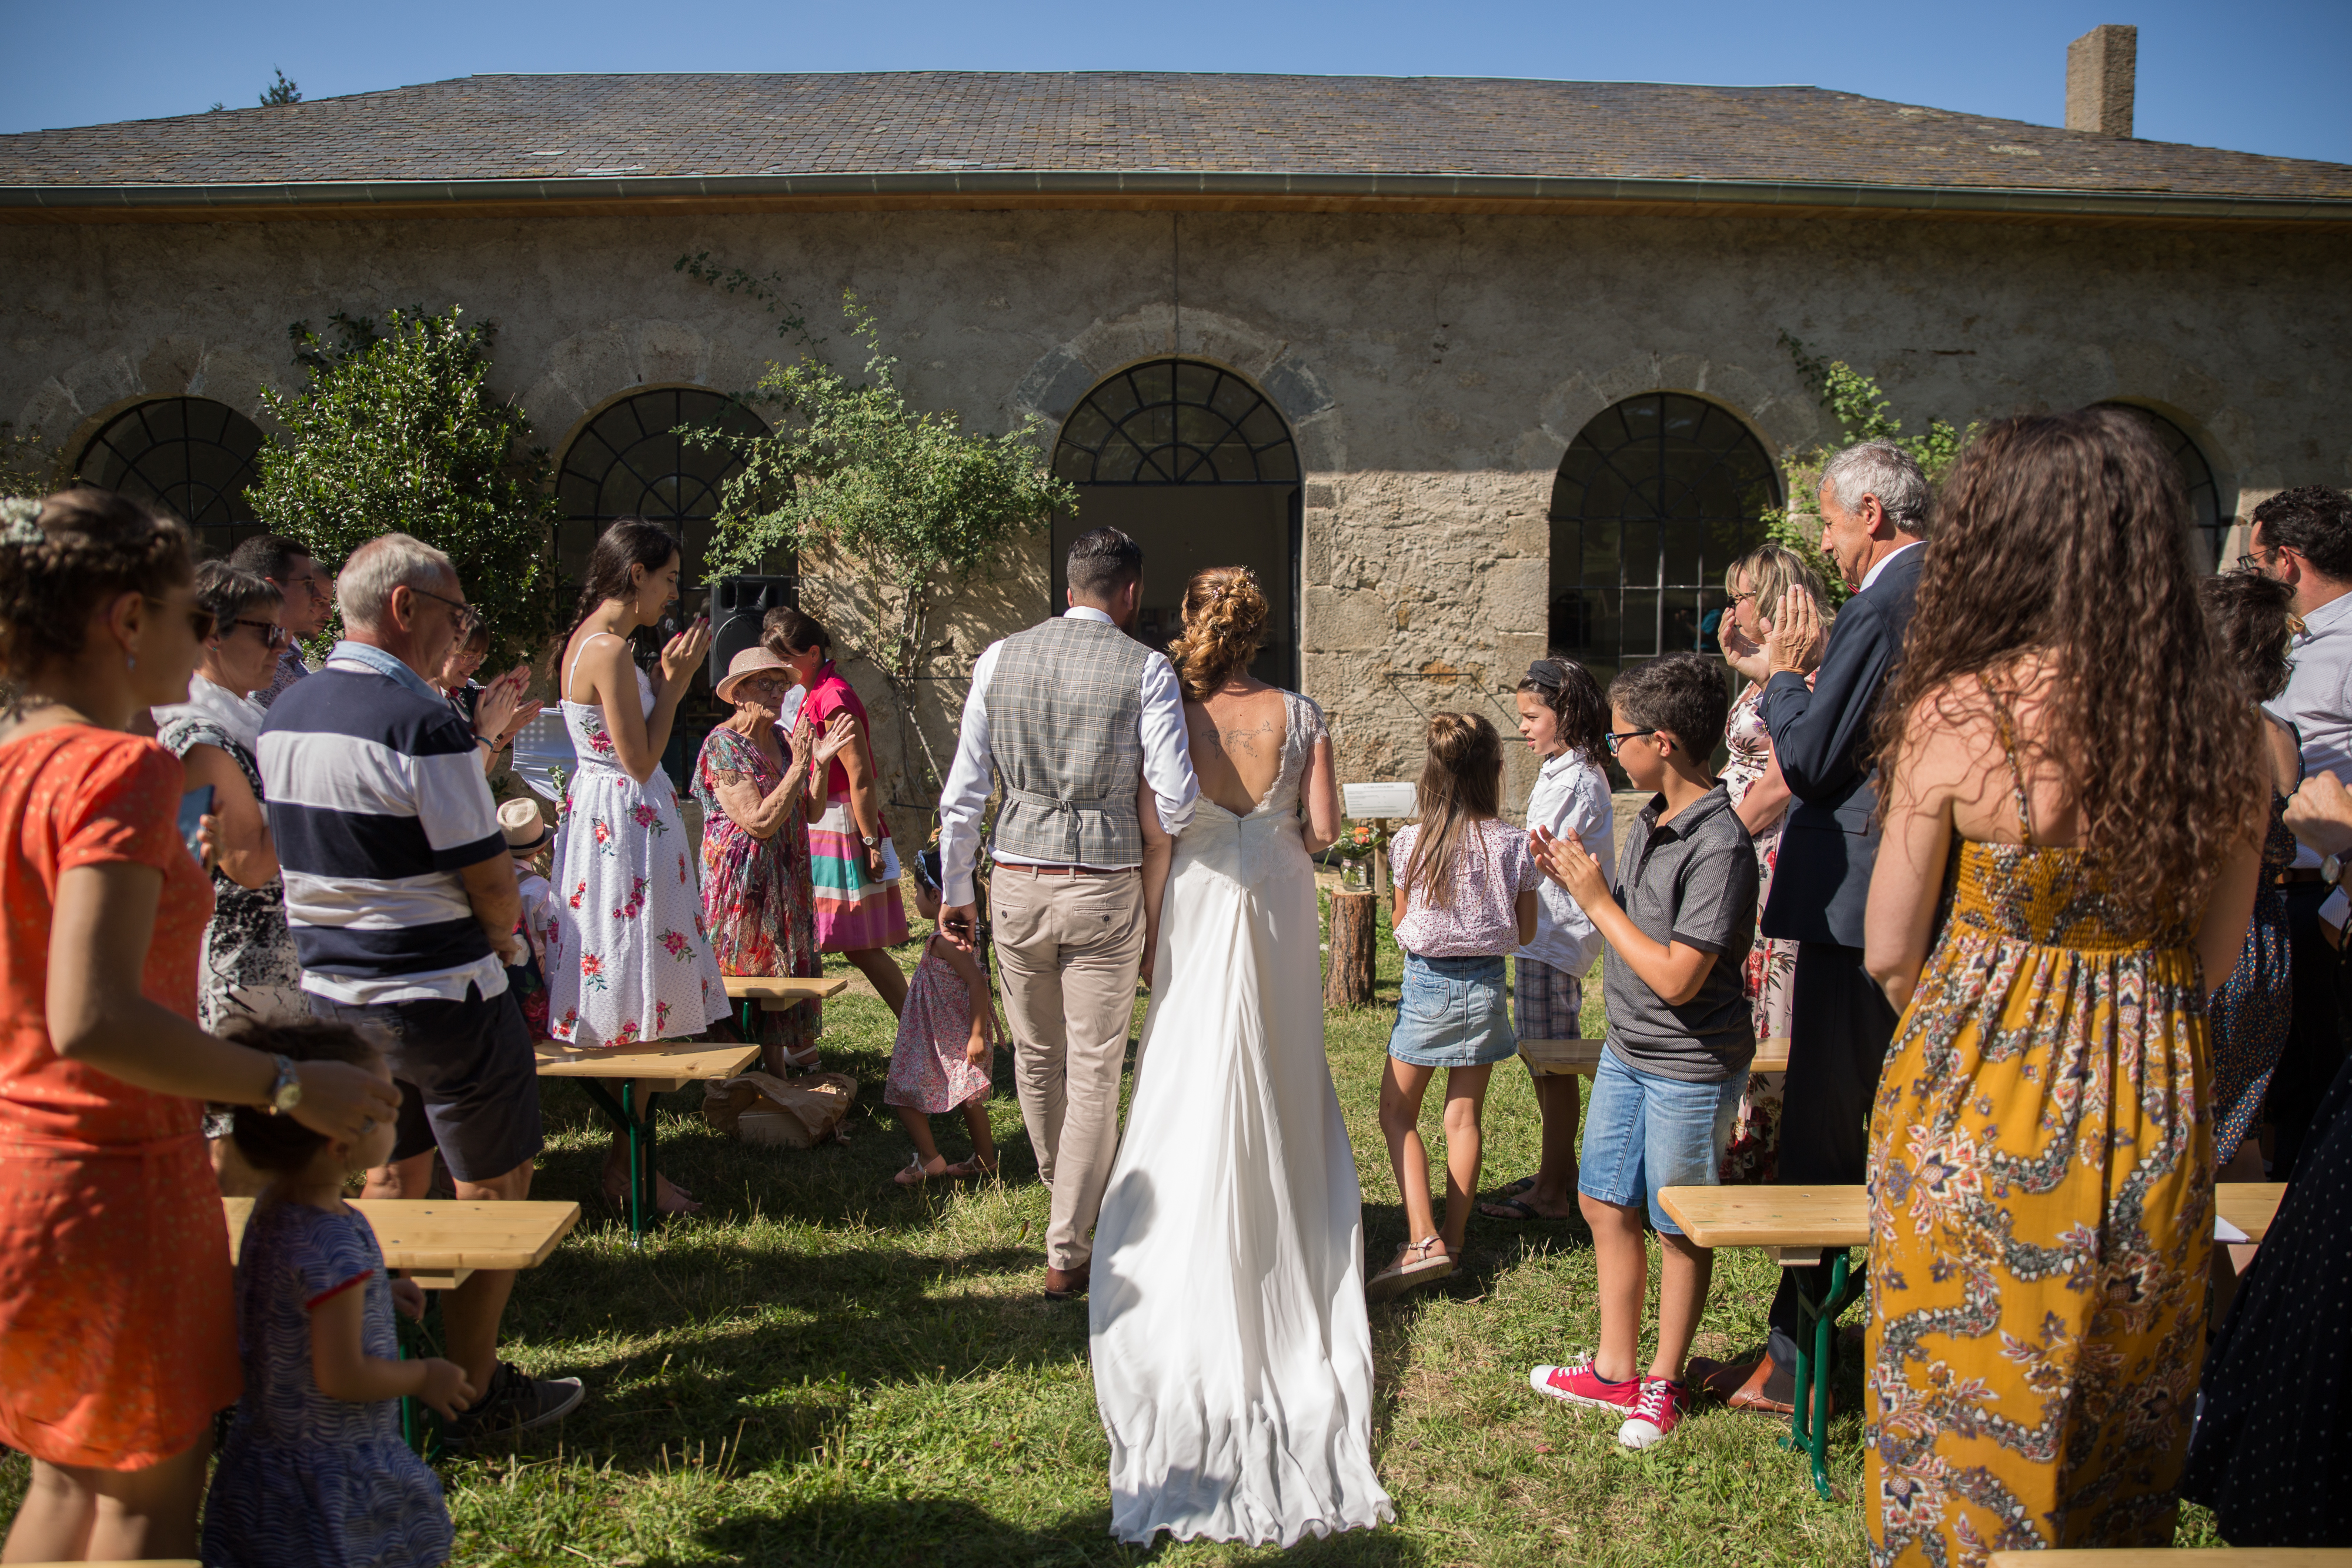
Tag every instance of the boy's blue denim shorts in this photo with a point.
(1452, 1013)
(1643, 1132)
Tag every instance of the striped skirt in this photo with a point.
(852, 910)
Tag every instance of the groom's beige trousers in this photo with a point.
(1067, 948)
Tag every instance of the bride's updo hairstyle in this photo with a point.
(59, 559)
(1225, 626)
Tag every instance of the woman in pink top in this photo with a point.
(1466, 898)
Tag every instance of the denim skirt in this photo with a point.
(1452, 1013)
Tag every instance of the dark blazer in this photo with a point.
(1821, 736)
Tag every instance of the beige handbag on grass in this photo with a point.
(760, 1108)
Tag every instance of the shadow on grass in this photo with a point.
(951, 1532)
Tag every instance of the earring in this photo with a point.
(130, 661)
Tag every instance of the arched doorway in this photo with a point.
(628, 461)
(2209, 520)
(189, 454)
(1199, 466)
(1654, 499)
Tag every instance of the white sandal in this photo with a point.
(919, 1171)
(1414, 1267)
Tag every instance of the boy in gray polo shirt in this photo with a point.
(1680, 1033)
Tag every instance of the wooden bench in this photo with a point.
(776, 993)
(1547, 1057)
(1796, 1223)
(658, 1067)
(440, 1244)
(2188, 1557)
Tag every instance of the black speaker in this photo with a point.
(738, 604)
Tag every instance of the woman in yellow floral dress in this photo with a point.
(2073, 823)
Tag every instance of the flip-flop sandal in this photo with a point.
(969, 1169)
(1510, 1208)
(916, 1169)
(1415, 1268)
(1525, 1183)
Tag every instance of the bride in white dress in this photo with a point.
(1232, 1361)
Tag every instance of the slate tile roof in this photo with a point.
(641, 126)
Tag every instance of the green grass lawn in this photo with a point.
(823, 1369)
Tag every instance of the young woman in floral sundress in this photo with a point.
(645, 969)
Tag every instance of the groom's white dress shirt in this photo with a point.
(1167, 766)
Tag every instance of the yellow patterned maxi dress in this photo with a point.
(2040, 1216)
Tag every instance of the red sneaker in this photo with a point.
(1579, 1384)
(1657, 1413)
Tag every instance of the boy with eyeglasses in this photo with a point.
(1680, 1034)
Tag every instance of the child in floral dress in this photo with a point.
(947, 1039)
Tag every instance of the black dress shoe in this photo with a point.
(1065, 1287)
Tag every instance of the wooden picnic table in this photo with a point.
(1546, 1058)
(1797, 1223)
(439, 1244)
(2186, 1557)
(653, 1067)
(755, 994)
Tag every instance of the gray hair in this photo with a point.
(1883, 469)
(364, 586)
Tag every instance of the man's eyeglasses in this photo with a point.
(1617, 737)
(272, 634)
(467, 618)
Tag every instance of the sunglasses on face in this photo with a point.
(271, 634)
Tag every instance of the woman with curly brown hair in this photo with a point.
(118, 1341)
(2075, 795)
(1231, 1352)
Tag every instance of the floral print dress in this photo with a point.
(637, 962)
(2040, 1186)
(757, 900)
(1752, 1157)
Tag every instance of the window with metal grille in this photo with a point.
(1655, 497)
(1176, 421)
(630, 463)
(189, 454)
(2208, 522)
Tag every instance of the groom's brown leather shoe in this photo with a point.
(1063, 1287)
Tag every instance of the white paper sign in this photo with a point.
(1383, 799)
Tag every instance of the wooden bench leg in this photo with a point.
(1809, 1426)
(637, 1130)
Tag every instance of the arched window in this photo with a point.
(2209, 524)
(1655, 497)
(1176, 421)
(190, 455)
(629, 462)
(1199, 466)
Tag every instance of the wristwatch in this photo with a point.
(285, 1089)
(868, 841)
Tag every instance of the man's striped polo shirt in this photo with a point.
(377, 802)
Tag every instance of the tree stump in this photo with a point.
(1355, 933)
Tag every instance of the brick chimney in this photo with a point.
(2099, 68)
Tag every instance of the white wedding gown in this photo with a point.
(1232, 1361)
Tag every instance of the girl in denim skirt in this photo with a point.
(1466, 896)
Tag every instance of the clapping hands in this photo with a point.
(1567, 862)
(502, 710)
(682, 653)
(2319, 815)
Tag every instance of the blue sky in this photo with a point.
(2263, 76)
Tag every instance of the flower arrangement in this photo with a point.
(1359, 840)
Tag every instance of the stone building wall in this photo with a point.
(1434, 368)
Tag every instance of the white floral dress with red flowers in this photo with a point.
(637, 960)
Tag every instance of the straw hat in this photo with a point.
(747, 662)
(524, 828)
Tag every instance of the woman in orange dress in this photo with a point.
(2073, 827)
(118, 1340)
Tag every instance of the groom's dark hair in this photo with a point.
(1102, 562)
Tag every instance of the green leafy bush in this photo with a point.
(398, 432)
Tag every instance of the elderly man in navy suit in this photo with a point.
(1874, 502)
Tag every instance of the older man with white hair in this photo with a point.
(1875, 503)
(403, 904)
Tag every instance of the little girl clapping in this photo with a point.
(314, 1469)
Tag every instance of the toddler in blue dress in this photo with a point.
(314, 1474)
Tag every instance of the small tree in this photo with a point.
(398, 431)
(29, 465)
(1863, 413)
(278, 93)
(909, 500)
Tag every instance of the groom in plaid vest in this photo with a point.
(1069, 714)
